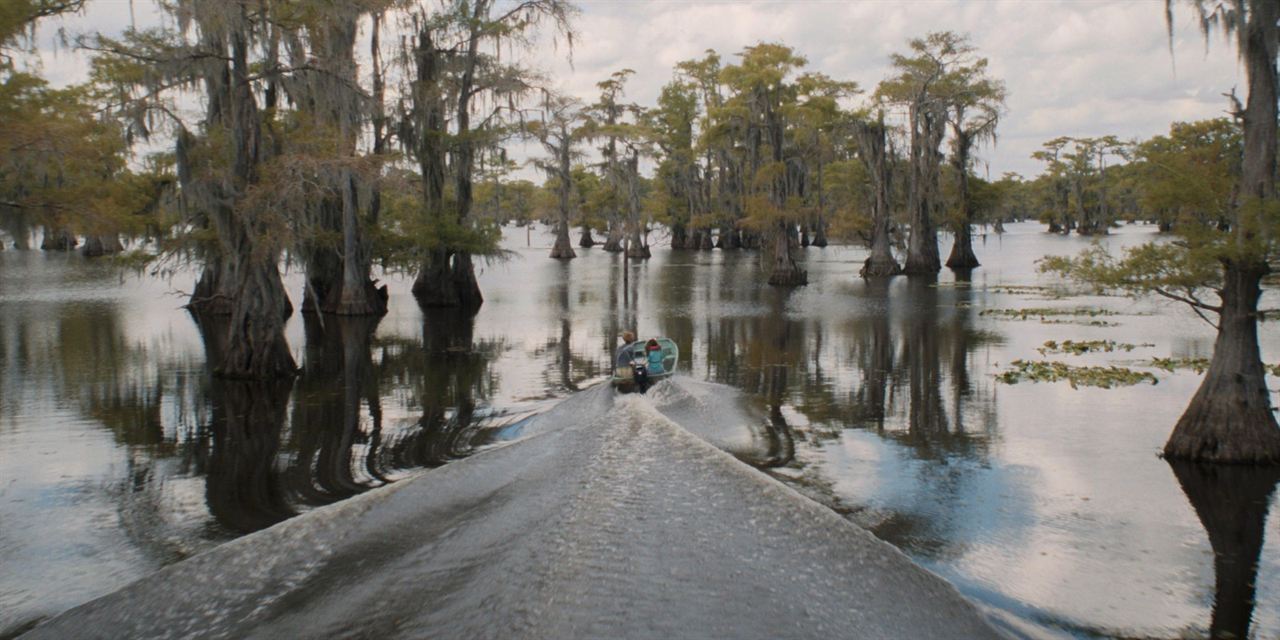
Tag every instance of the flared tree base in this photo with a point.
(639, 252)
(790, 277)
(925, 268)
(369, 300)
(881, 268)
(1218, 428)
(563, 253)
(963, 259)
(434, 289)
(58, 241)
(97, 246)
(251, 360)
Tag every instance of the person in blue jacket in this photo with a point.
(653, 354)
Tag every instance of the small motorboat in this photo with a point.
(635, 370)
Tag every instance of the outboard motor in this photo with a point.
(640, 372)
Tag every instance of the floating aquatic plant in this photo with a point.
(1046, 312)
(1081, 347)
(1199, 365)
(1052, 371)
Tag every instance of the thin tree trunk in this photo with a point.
(636, 246)
(872, 141)
(357, 294)
(1230, 419)
(563, 249)
(962, 256)
(922, 246)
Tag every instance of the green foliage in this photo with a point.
(1103, 377)
(407, 234)
(1187, 178)
(1178, 270)
(62, 165)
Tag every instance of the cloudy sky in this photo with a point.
(1073, 67)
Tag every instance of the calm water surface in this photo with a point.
(1047, 504)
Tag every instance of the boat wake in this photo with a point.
(611, 516)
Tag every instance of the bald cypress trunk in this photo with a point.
(636, 245)
(820, 232)
(100, 245)
(356, 294)
(323, 263)
(586, 241)
(464, 281)
(433, 287)
(58, 239)
(256, 346)
(922, 246)
(215, 289)
(872, 141)
(613, 240)
(962, 256)
(1230, 418)
(679, 236)
(785, 271)
(707, 242)
(636, 248)
(563, 249)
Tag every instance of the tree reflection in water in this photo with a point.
(242, 487)
(337, 381)
(1232, 503)
(266, 463)
(448, 373)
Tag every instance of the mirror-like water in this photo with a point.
(119, 455)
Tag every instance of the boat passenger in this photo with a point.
(653, 353)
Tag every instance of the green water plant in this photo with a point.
(1047, 312)
(1081, 347)
(1093, 376)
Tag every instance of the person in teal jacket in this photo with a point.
(653, 354)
